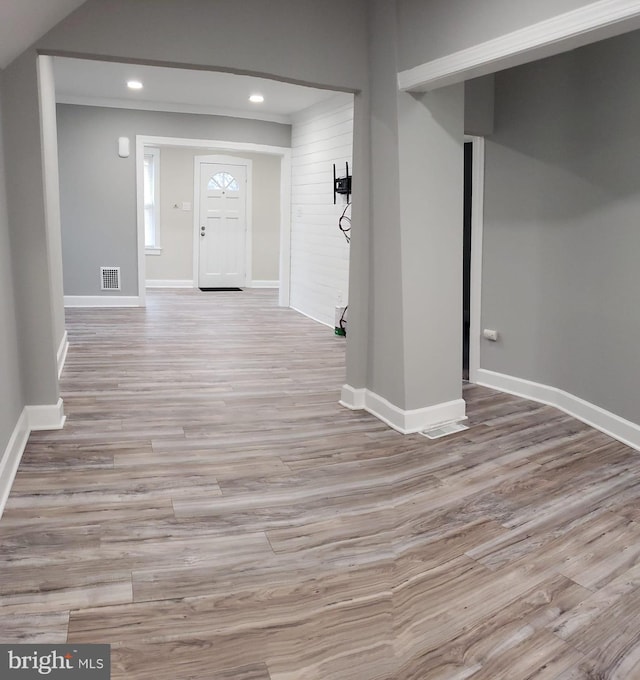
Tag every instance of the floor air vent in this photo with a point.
(443, 430)
(110, 278)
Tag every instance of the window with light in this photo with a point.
(152, 200)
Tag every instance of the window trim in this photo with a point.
(154, 153)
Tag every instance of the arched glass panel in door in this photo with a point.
(224, 181)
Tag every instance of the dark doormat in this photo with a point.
(206, 290)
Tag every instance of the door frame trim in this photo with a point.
(247, 163)
(221, 146)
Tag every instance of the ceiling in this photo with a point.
(80, 81)
(22, 22)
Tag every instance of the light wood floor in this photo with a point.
(213, 513)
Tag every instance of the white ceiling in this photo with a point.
(80, 81)
(22, 22)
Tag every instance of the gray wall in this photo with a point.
(386, 351)
(176, 225)
(34, 284)
(51, 188)
(431, 198)
(11, 394)
(561, 236)
(479, 102)
(98, 188)
(416, 229)
(266, 217)
(435, 28)
(285, 38)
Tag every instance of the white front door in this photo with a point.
(222, 225)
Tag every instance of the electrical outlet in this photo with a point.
(339, 299)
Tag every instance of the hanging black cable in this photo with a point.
(343, 323)
(343, 222)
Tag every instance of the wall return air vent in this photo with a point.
(109, 278)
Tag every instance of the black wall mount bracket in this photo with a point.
(341, 185)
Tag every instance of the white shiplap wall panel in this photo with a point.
(326, 118)
(321, 136)
(332, 144)
(333, 128)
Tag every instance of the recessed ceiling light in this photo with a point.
(256, 98)
(134, 84)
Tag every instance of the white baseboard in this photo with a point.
(353, 397)
(623, 430)
(169, 283)
(46, 417)
(12, 456)
(62, 352)
(32, 418)
(404, 421)
(102, 301)
(313, 318)
(264, 284)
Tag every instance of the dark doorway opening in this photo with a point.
(466, 266)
